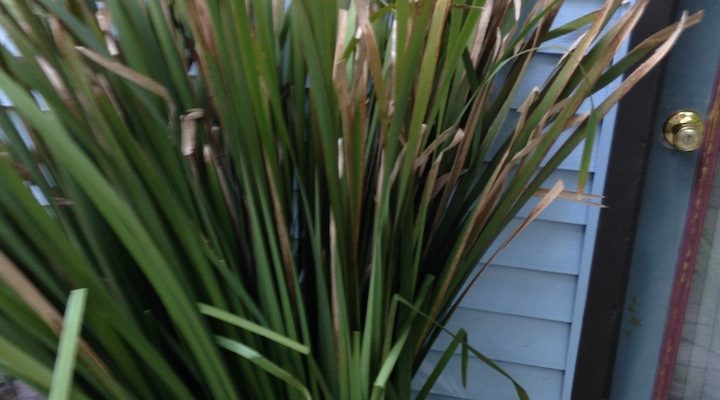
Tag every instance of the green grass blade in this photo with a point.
(253, 327)
(263, 363)
(588, 147)
(62, 378)
(442, 364)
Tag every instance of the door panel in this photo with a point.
(688, 84)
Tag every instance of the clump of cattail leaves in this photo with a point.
(267, 200)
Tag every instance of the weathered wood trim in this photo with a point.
(617, 225)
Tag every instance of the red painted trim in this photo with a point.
(687, 257)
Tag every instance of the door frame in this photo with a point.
(634, 132)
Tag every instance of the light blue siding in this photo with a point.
(542, 383)
(543, 246)
(523, 292)
(511, 338)
(566, 211)
(526, 311)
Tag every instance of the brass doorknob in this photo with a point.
(683, 131)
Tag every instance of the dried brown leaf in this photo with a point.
(131, 75)
(188, 131)
(645, 67)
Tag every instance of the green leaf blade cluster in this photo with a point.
(271, 200)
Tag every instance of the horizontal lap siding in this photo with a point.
(543, 246)
(541, 383)
(510, 338)
(526, 309)
(520, 311)
(562, 210)
(525, 293)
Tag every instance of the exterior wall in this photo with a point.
(526, 311)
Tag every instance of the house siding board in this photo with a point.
(510, 338)
(524, 293)
(542, 246)
(568, 211)
(441, 397)
(541, 383)
(526, 311)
